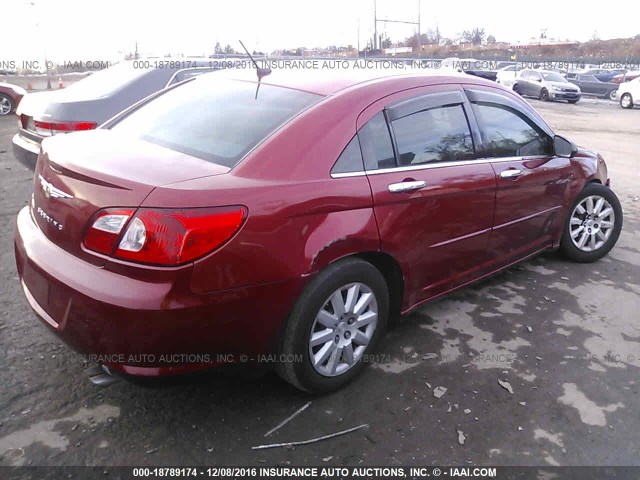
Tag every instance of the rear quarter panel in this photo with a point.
(299, 218)
(292, 229)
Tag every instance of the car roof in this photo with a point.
(328, 82)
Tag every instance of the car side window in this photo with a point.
(437, 134)
(509, 133)
(375, 140)
(350, 160)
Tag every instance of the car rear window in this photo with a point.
(219, 121)
(106, 81)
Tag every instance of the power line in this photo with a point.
(388, 20)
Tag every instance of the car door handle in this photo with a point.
(511, 173)
(407, 186)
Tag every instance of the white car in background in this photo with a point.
(452, 63)
(507, 75)
(629, 93)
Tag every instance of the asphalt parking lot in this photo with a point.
(566, 338)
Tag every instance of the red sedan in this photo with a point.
(217, 223)
(10, 97)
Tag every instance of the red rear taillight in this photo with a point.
(51, 128)
(163, 236)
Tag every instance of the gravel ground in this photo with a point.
(574, 372)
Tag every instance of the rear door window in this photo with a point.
(375, 139)
(214, 119)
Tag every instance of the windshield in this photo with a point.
(106, 81)
(218, 121)
(554, 77)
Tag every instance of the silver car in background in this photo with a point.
(95, 99)
(546, 85)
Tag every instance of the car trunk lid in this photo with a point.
(79, 174)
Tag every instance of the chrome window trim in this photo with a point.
(359, 173)
(186, 70)
(428, 166)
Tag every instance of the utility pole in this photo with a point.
(377, 42)
(419, 36)
(375, 24)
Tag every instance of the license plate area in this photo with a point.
(52, 298)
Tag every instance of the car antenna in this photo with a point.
(262, 72)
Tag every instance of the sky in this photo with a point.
(84, 30)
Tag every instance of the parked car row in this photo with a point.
(549, 85)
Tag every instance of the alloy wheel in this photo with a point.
(625, 101)
(343, 329)
(5, 105)
(591, 224)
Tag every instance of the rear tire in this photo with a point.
(573, 101)
(515, 88)
(626, 101)
(326, 325)
(593, 225)
(612, 94)
(6, 104)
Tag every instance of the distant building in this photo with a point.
(544, 42)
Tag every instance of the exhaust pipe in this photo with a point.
(101, 376)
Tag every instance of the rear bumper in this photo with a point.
(26, 151)
(145, 327)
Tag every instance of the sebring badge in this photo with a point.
(49, 219)
(52, 192)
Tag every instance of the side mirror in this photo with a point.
(563, 147)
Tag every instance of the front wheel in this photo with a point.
(593, 225)
(6, 104)
(544, 95)
(337, 320)
(573, 101)
(626, 101)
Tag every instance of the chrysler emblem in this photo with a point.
(52, 192)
